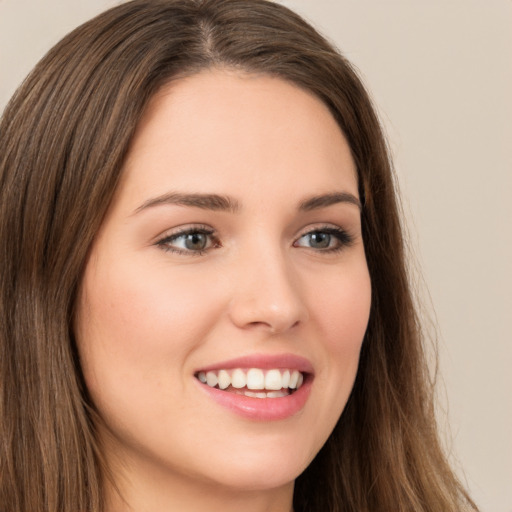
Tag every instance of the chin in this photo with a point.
(245, 477)
(262, 464)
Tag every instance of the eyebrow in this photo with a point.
(216, 202)
(325, 200)
(213, 202)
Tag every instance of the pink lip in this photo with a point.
(265, 362)
(263, 409)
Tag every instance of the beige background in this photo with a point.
(441, 74)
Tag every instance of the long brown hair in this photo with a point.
(63, 139)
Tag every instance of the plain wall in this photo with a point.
(441, 74)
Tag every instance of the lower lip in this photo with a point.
(262, 409)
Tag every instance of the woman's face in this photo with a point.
(232, 252)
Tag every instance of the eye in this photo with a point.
(196, 240)
(327, 239)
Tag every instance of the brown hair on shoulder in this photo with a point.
(63, 140)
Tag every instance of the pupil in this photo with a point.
(320, 240)
(195, 241)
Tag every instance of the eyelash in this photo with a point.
(181, 233)
(343, 238)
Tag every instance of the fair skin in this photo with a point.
(180, 282)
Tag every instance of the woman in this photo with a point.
(204, 295)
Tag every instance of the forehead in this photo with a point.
(219, 129)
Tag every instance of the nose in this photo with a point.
(267, 294)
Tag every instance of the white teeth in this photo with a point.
(276, 394)
(238, 379)
(262, 394)
(286, 378)
(211, 379)
(273, 380)
(271, 383)
(224, 379)
(254, 394)
(294, 377)
(255, 379)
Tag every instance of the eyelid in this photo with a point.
(163, 241)
(344, 237)
(183, 229)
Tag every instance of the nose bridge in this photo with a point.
(267, 291)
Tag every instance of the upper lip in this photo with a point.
(263, 361)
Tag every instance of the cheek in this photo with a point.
(139, 309)
(343, 309)
(341, 314)
(134, 329)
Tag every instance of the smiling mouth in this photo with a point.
(254, 382)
